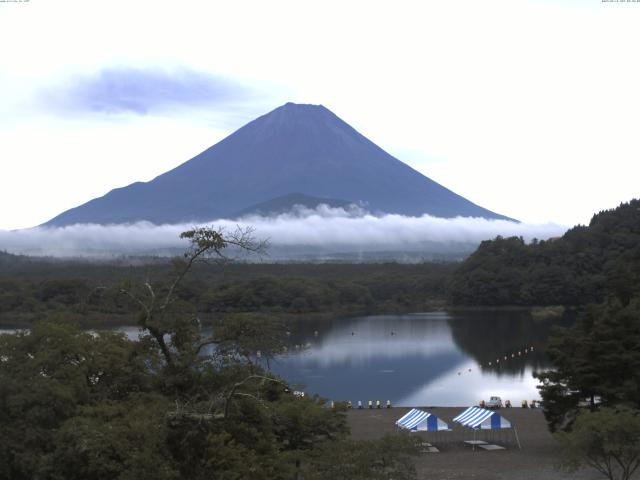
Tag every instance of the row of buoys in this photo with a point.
(519, 353)
(316, 333)
(392, 333)
(370, 404)
(298, 346)
(507, 404)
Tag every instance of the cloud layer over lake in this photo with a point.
(322, 229)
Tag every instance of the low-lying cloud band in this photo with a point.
(323, 228)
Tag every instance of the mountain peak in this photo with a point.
(301, 105)
(299, 111)
(296, 124)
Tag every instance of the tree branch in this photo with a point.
(204, 343)
(239, 384)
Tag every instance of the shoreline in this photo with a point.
(457, 460)
(93, 320)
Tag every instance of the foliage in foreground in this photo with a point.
(387, 458)
(596, 362)
(76, 405)
(607, 440)
(81, 405)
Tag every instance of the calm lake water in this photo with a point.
(422, 359)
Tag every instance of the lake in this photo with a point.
(436, 358)
(423, 359)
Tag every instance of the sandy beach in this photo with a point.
(456, 460)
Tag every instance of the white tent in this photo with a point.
(483, 419)
(420, 421)
(476, 417)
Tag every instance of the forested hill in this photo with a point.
(7, 258)
(585, 265)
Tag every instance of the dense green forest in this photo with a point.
(81, 405)
(32, 289)
(583, 266)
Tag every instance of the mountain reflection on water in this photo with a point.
(437, 358)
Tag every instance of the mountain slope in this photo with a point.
(288, 203)
(294, 148)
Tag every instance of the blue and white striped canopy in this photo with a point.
(419, 420)
(476, 417)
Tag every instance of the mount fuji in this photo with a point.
(294, 154)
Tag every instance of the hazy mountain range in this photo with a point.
(295, 155)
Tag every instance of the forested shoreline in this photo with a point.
(583, 266)
(32, 289)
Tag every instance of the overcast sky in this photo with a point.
(529, 108)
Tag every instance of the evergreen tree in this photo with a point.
(597, 359)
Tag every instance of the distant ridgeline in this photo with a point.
(11, 261)
(583, 266)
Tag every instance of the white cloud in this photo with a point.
(324, 228)
(336, 226)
